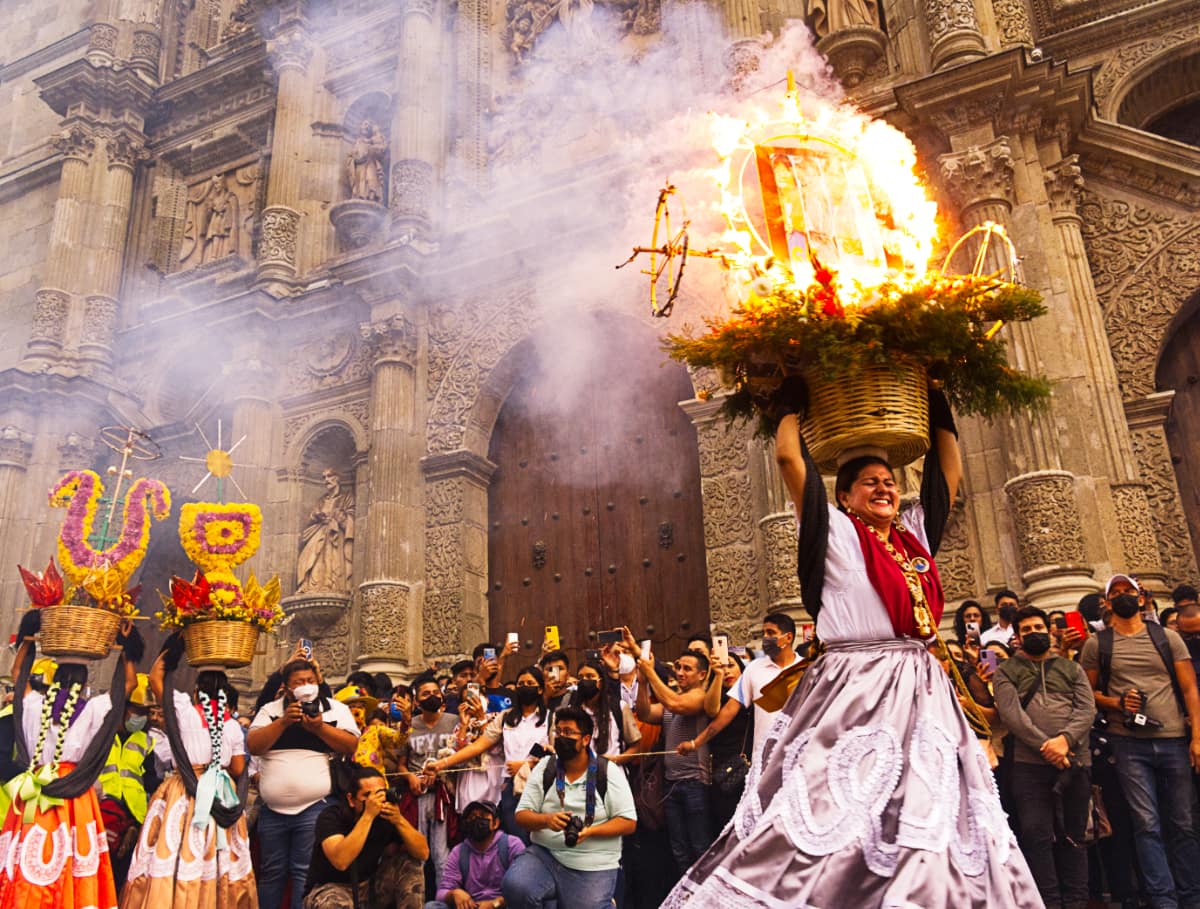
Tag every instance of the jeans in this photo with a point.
(508, 812)
(1059, 867)
(286, 844)
(535, 880)
(689, 824)
(1155, 774)
(434, 832)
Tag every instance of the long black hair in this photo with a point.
(960, 622)
(604, 708)
(513, 715)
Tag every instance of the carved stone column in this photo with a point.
(16, 447)
(392, 593)
(954, 35)
(291, 52)
(1049, 535)
(1012, 19)
(417, 131)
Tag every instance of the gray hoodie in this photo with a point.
(1062, 704)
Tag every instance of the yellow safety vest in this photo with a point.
(122, 776)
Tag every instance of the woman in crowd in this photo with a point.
(194, 851)
(970, 612)
(618, 735)
(729, 749)
(871, 789)
(53, 839)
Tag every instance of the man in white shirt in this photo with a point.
(778, 644)
(1007, 604)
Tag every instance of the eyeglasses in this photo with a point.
(569, 734)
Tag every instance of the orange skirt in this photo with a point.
(60, 860)
(178, 866)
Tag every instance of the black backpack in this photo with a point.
(551, 771)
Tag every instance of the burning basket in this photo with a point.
(217, 642)
(876, 408)
(80, 632)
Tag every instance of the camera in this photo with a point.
(392, 794)
(572, 830)
(310, 708)
(1141, 721)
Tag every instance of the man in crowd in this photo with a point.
(365, 845)
(476, 866)
(701, 643)
(462, 674)
(1007, 604)
(1046, 702)
(577, 807)
(1144, 682)
(433, 730)
(293, 737)
(682, 717)
(556, 666)
(1184, 595)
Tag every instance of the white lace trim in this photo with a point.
(932, 759)
(33, 843)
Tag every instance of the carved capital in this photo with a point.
(290, 49)
(981, 175)
(277, 245)
(742, 60)
(146, 47)
(412, 189)
(76, 141)
(1012, 16)
(102, 40)
(383, 619)
(1045, 515)
(954, 33)
(125, 151)
(16, 446)
(99, 324)
(393, 340)
(50, 310)
(76, 451)
(1064, 186)
(419, 8)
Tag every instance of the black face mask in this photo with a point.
(1126, 606)
(770, 646)
(1008, 613)
(566, 749)
(588, 689)
(1193, 644)
(527, 695)
(431, 704)
(1035, 643)
(478, 829)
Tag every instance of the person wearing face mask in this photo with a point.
(1046, 701)
(1007, 604)
(1143, 680)
(556, 666)
(294, 737)
(617, 731)
(475, 868)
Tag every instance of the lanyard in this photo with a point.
(560, 784)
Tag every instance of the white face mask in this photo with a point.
(305, 693)
(625, 664)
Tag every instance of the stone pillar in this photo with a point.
(391, 594)
(417, 128)
(1049, 534)
(291, 51)
(1012, 22)
(954, 33)
(16, 446)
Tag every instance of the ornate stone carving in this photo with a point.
(980, 175)
(828, 16)
(1134, 522)
(383, 619)
(1013, 18)
(1045, 516)
(723, 446)
(953, 32)
(366, 163)
(358, 223)
(732, 582)
(102, 38)
(125, 151)
(76, 141)
(357, 408)
(527, 20)
(16, 446)
(219, 214)
(444, 502)
(854, 52)
(412, 189)
(241, 20)
(50, 310)
(444, 557)
(1129, 58)
(1162, 493)
(727, 517)
(326, 560)
(956, 566)
(277, 244)
(779, 545)
(443, 622)
(75, 451)
(742, 60)
(392, 340)
(1064, 186)
(420, 8)
(99, 322)
(290, 49)
(146, 48)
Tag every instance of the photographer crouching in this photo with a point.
(577, 807)
(356, 842)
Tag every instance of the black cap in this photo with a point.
(489, 807)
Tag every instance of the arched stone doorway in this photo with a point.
(595, 516)
(1179, 371)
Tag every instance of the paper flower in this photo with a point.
(217, 536)
(45, 589)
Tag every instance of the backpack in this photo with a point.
(1159, 638)
(464, 857)
(551, 771)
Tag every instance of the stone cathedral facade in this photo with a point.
(241, 212)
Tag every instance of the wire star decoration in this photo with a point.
(218, 462)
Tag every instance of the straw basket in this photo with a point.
(876, 408)
(221, 643)
(82, 632)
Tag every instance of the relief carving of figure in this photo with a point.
(365, 169)
(218, 221)
(327, 542)
(828, 16)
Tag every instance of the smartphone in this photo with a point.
(512, 638)
(720, 648)
(973, 628)
(306, 648)
(592, 656)
(1060, 622)
(1077, 623)
(489, 653)
(989, 659)
(473, 691)
(610, 637)
(551, 638)
(646, 649)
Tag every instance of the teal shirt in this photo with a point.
(600, 854)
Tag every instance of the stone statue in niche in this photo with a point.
(326, 557)
(220, 215)
(365, 164)
(828, 16)
(218, 221)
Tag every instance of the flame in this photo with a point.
(823, 184)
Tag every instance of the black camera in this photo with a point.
(572, 830)
(1141, 721)
(310, 708)
(392, 794)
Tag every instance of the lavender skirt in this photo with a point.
(871, 791)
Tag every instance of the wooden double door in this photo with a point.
(595, 516)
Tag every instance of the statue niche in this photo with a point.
(326, 560)
(220, 211)
(366, 163)
(361, 218)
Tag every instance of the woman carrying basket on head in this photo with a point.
(53, 851)
(194, 850)
(871, 789)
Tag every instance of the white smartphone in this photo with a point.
(720, 647)
(512, 638)
(646, 649)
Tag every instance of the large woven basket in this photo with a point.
(875, 408)
(81, 632)
(217, 642)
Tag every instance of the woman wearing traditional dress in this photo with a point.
(194, 851)
(871, 789)
(53, 850)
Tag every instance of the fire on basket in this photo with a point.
(828, 239)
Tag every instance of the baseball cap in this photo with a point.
(1127, 578)
(489, 807)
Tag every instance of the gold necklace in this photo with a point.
(912, 569)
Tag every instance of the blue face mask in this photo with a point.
(135, 724)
